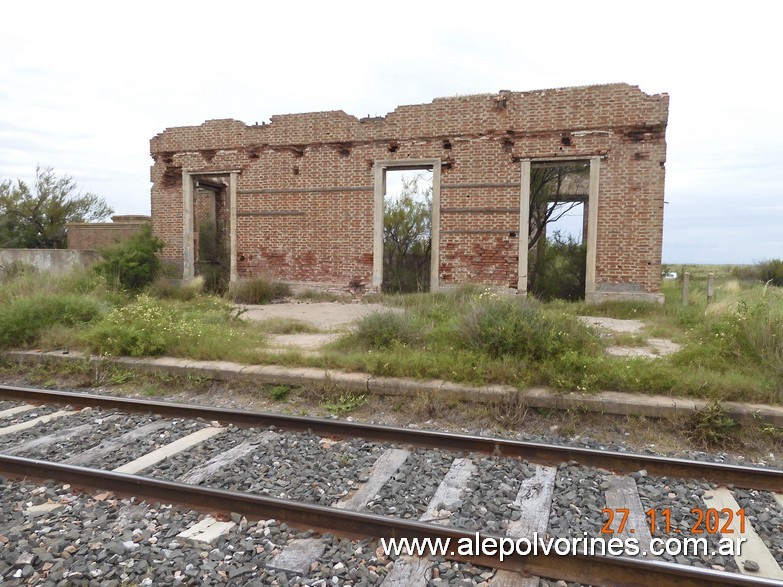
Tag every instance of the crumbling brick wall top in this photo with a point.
(584, 108)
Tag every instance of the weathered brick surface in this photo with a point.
(327, 236)
(93, 236)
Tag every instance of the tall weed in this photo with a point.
(149, 327)
(384, 330)
(499, 326)
(23, 319)
(259, 290)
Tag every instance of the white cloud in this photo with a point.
(85, 85)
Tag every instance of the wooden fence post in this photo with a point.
(685, 285)
(710, 287)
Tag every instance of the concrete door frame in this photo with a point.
(379, 185)
(592, 221)
(188, 253)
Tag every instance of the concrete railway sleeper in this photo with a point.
(353, 480)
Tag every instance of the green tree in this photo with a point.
(559, 269)
(34, 216)
(407, 238)
(555, 190)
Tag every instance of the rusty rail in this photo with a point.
(546, 454)
(597, 570)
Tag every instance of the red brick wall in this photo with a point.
(327, 236)
(93, 236)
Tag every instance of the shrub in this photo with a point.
(279, 392)
(771, 271)
(757, 333)
(133, 264)
(500, 326)
(168, 289)
(383, 330)
(745, 331)
(745, 272)
(344, 404)
(259, 290)
(559, 269)
(711, 425)
(201, 329)
(23, 319)
(143, 328)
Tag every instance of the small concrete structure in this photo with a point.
(93, 236)
(14, 428)
(604, 402)
(207, 530)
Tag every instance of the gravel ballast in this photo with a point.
(309, 468)
(102, 539)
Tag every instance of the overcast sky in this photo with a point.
(84, 86)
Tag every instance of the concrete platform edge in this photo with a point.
(607, 402)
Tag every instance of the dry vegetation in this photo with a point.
(732, 349)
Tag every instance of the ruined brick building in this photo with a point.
(301, 198)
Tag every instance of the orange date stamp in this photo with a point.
(709, 520)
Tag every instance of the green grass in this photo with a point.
(281, 325)
(204, 328)
(344, 403)
(314, 295)
(732, 348)
(279, 392)
(81, 312)
(23, 319)
(465, 336)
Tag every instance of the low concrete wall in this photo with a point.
(54, 261)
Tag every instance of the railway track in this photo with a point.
(366, 481)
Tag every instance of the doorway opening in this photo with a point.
(407, 229)
(557, 239)
(210, 212)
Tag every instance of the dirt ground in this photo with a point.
(655, 348)
(322, 315)
(332, 318)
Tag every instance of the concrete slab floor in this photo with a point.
(323, 315)
(656, 347)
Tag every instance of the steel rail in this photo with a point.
(720, 473)
(595, 569)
